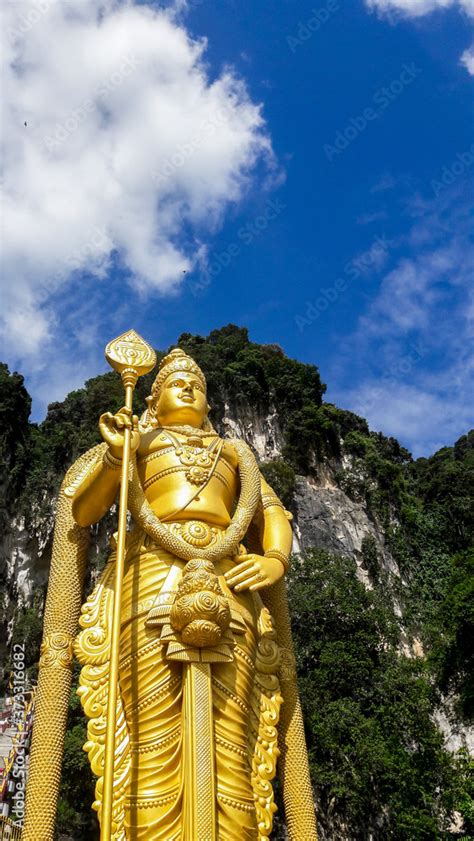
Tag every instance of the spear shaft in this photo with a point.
(127, 348)
(107, 801)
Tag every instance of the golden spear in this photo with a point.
(131, 357)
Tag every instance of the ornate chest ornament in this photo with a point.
(198, 461)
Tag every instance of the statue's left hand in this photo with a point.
(253, 572)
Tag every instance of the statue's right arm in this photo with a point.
(98, 490)
(96, 493)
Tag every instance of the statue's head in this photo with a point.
(178, 395)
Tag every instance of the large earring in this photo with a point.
(149, 417)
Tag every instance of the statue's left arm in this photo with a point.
(255, 571)
(265, 572)
(277, 535)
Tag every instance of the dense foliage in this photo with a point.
(379, 765)
(75, 816)
(453, 655)
(376, 755)
(15, 407)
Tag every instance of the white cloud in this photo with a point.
(409, 366)
(368, 218)
(419, 8)
(467, 59)
(115, 142)
(412, 292)
(385, 182)
(373, 258)
(425, 417)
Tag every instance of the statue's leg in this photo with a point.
(232, 685)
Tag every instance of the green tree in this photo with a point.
(75, 816)
(377, 758)
(453, 656)
(281, 477)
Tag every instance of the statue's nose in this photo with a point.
(188, 388)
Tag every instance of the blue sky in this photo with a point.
(335, 220)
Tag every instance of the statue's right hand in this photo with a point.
(112, 429)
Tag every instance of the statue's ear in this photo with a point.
(148, 419)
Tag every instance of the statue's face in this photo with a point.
(182, 400)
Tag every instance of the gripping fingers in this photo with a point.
(124, 419)
(106, 419)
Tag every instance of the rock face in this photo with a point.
(25, 556)
(326, 518)
(261, 430)
(456, 735)
(28, 554)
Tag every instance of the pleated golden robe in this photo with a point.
(154, 719)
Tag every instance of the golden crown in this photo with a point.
(177, 360)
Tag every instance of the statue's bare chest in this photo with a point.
(193, 460)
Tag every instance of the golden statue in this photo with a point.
(204, 698)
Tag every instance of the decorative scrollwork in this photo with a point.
(266, 703)
(288, 664)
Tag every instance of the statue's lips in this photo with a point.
(186, 398)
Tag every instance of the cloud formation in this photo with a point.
(419, 8)
(467, 59)
(119, 149)
(411, 354)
